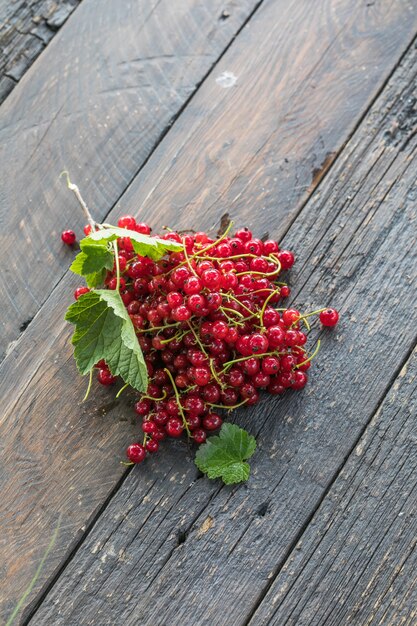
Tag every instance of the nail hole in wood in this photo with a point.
(182, 536)
(263, 509)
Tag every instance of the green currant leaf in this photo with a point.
(95, 279)
(224, 456)
(104, 330)
(94, 258)
(152, 247)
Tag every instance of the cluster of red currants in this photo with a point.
(209, 328)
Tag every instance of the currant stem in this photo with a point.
(271, 295)
(119, 393)
(313, 313)
(145, 397)
(89, 386)
(116, 260)
(228, 408)
(152, 328)
(177, 397)
(187, 258)
(177, 336)
(251, 356)
(311, 356)
(202, 348)
(80, 199)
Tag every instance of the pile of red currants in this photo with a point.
(210, 328)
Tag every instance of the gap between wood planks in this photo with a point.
(24, 325)
(263, 508)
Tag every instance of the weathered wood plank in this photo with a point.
(132, 568)
(26, 28)
(356, 563)
(48, 418)
(95, 103)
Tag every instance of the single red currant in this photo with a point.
(80, 291)
(105, 377)
(329, 317)
(136, 453)
(127, 221)
(68, 237)
(174, 427)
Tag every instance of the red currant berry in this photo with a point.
(201, 376)
(142, 228)
(211, 279)
(174, 427)
(211, 393)
(329, 317)
(136, 453)
(261, 380)
(276, 336)
(214, 300)
(220, 330)
(159, 434)
(149, 427)
(143, 407)
(291, 338)
(192, 285)
(259, 265)
(236, 377)
(199, 435)
(196, 303)
(68, 237)
(243, 234)
(80, 291)
(270, 365)
(181, 314)
(152, 445)
(290, 316)
(105, 377)
(288, 362)
(212, 421)
(179, 276)
(251, 366)
(270, 317)
(286, 258)
(270, 246)
(127, 221)
(174, 299)
(258, 343)
(299, 380)
(275, 387)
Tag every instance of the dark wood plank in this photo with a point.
(356, 563)
(26, 28)
(36, 478)
(95, 103)
(170, 549)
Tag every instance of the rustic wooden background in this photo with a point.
(299, 118)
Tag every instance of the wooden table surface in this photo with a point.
(299, 118)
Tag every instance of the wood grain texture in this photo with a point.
(26, 28)
(172, 549)
(95, 103)
(356, 563)
(77, 480)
